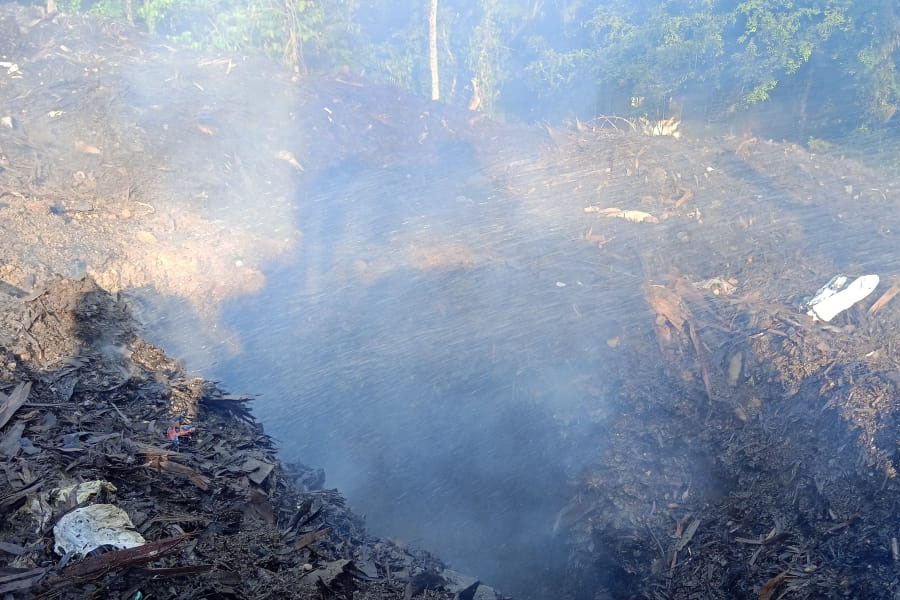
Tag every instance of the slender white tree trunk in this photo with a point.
(432, 51)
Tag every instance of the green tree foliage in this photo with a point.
(300, 32)
(829, 61)
(876, 78)
(834, 61)
(741, 51)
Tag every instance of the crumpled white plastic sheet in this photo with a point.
(87, 528)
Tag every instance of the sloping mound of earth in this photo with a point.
(750, 450)
(160, 169)
(86, 417)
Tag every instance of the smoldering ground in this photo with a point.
(414, 350)
(488, 361)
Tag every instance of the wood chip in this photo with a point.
(685, 197)
(632, 216)
(885, 298)
(288, 157)
(771, 585)
(10, 404)
(11, 442)
(688, 534)
(162, 463)
(744, 540)
(308, 538)
(87, 148)
(15, 549)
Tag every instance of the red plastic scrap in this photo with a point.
(173, 433)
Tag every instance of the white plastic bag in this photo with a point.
(834, 298)
(87, 528)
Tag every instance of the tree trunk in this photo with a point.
(432, 51)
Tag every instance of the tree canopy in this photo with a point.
(828, 64)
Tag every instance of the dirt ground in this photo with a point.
(147, 167)
(752, 452)
(756, 455)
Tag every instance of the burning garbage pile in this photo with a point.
(123, 478)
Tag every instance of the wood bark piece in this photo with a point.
(885, 298)
(22, 580)
(162, 463)
(94, 567)
(10, 404)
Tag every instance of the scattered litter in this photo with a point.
(633, 216)
(560, 284)
(82, 491)
(7, 122)
(175, 433)
(652, 422)
(43, 506)
(836, 296)
(90, 527)
(11, 68)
